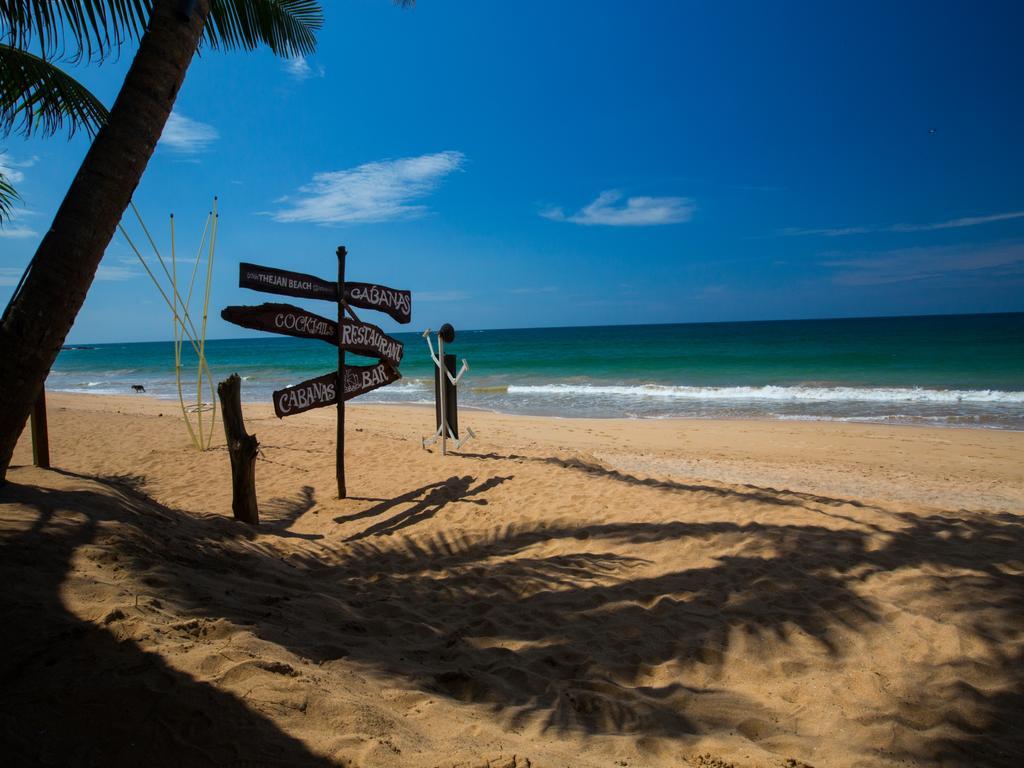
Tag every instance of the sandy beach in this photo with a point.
(558, 592)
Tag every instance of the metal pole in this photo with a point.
(442, 372)
(40, 435)
(341, 373)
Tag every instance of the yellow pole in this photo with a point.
(206, 302)
(178, 334)
(202, 336)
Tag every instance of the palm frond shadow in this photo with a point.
(76, 694)
(582, 637)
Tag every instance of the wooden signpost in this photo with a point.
(347, 333)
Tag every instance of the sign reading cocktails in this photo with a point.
(347, 333)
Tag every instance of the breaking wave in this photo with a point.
(774, 393)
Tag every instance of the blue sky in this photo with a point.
(538, 163)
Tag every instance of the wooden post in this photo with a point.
(242, 448)
(40, 434)
(340, 464)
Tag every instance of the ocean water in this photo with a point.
(963, 370)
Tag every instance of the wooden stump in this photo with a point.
(242, 448)
(40, 434)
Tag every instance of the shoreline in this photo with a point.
(877, 421)
(967, 466)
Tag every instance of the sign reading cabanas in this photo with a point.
(347, 333)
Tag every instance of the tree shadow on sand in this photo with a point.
(73, 694)
(583, 640)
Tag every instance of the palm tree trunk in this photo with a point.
(39, 317)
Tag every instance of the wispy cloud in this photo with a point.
(927, 263)
(373, 192)
(14, 231)
(10, 168)
(300, 69)
(116, 273)
(10, 275)
(633, 212)
(826, 232)
(965, 221)
(440, 295)
(186, 136)
(543, 289)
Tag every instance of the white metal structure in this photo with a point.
(444, 432)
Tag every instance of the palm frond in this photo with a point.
(287, 27)
(8, 196)
(73, 29)
(38, 97)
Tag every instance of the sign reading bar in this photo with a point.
(371, 341)
(396, 303)
(270, 280)
(283, 318)
(323, 390)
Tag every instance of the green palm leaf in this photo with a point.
(287, 27)
(73, 29)
(8, 196)
(38, 97)
(92, 29)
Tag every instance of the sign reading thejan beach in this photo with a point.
(396, 303)
(347, 333)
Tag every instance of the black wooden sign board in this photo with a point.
(323, 390)
(285, 283)
(348, 334)
(285, 319)
(361, 338)
(396, 303)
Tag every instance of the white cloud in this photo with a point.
(439, 295)
(10, 275)
(966, 221)
(1005, 261)
(187, 136)
(373, 192)
(12, 230)
(299, 69)
(115, 274)
(9, 167)
(825, 232)
(531, 291)
(635, 212)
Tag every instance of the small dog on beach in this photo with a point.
(138, 388)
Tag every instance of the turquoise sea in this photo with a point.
(962, 370)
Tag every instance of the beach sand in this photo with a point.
(556, 593)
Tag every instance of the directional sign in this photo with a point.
(323, 390)
(369, 340)
(348, 335)
(270, 280)
(396, 303)
(283, 318)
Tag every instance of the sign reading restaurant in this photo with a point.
(347, 333)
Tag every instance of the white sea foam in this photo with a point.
(774, 393)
